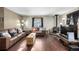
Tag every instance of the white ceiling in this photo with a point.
(40, 11)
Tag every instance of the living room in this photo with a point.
(42, 23)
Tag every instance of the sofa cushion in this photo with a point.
(19, 30)
(21, 34)
(14, 38)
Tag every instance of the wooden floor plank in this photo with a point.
(49, 43)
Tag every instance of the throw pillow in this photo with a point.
(19, 30)
(6, 34)
(13, 32)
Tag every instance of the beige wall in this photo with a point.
(48, 22)
(1, 12)
(1, 18)
(27, 23)
(11, 20)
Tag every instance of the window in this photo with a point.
(37, 22)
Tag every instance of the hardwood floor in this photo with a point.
(48, 43)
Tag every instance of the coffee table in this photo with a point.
(30, 39)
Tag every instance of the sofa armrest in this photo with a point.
(4, 43)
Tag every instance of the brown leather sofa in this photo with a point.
(6, 42)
